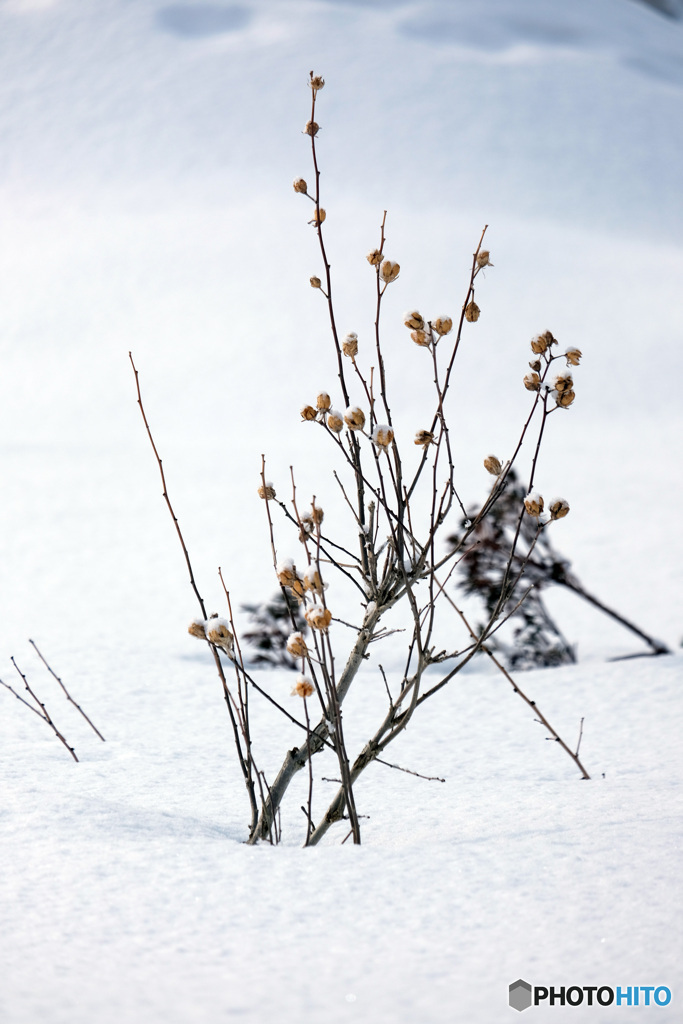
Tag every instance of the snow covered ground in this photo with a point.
(146, 163)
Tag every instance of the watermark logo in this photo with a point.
(522, 995)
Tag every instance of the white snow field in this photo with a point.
(147, 151)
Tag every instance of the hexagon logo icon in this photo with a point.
(520, 995)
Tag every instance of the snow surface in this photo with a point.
(146, 204)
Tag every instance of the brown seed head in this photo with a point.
(197, 628)
(323, 401)
(374, 257)
(533, 503)
(532, 382)
(422, 338)
(535, 364)
(354, 418)
(308, 413)
(573, 356)
(424, 438)
(318, 617)
(414, 320)
(316, 282)
(382, 435)
(558, 508)
(350, 344)
(316, 83)
(303, 687)
(493, 465)
(312, 580)
(472, 312)
(218, 633)
(296, 645)
(565, 398)
(335, 421)
(266, 492)
(389, 271)
(483, 259)
(318, 217)
(562, 382)
(443, 325)
(300, 185)
(312, 128)
(539, 344)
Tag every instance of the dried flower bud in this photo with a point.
(318, 617)
(266, 492)
(316, 83)
(573, 356)
(296, 645)
(562, 382)
(493, 465)
(197, 628)
(565, 398)
(424, 438)
(288, 577)
(312, 580)
(422, 338)
(558, 508)
(218, 633)
(539, 344)
(312, 128)
(550, 339)
(307, 527)
(472, 312)
(443, 325)
(389, 271)
(335, 421)
(374, 257)
(308, 413)
(533, 503)
(354, 418)
(483, 258)
(300, 185)
(317, 514)
(414, 320)
(318, 217)
(350, 344)
(303, 687)
(535, 364)
(323, 401)
(532, 382)
(316, 282)
(382, 435)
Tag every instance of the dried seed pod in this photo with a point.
(296, 645)
(550, 339)
(424, 438)
(533, 503)
(350, 344)
(318, 217)
(317, 514)
(266, 492)
(335, 421)
(316, 83)
(374, 257)
(313, 580)
(443, 325)
(422, 338)
(562, 382)
(573, 356)
(318, 617)
(565, 398)
(483, 258)
(197, 628)
(472, 312)
(558, 508)
(323, 401)
(307, 527)
(532, 382)
(300, 185)
(382, 435)
(308, 413)
(535, 364)
(493, 465)
(286, 573)
(389, 271)
(414, 320)
(218, 633)
(312, 128)
(539, 344)
(303, 687)
(316, 282)
(354, 418)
